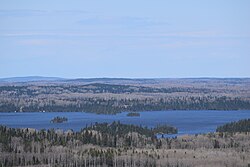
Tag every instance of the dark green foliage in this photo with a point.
(116, 128)
(102, 134)
(165, 129)
(113, 106)
(133, 114)
(239, 126)
(59, 119)
(110, 147)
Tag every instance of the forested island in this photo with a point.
(111, 96)
(116, 144)
(59, 119)
(133, 114)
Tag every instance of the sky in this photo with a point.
(132, 38)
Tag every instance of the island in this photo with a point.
(133, 114)
(59, 119)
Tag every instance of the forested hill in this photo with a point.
(110, 96)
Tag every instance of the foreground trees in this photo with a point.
(239, 126)
(117, 144)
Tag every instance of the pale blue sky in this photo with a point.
(132, 38)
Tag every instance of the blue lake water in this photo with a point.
(187, 122)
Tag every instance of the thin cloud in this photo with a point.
(198, 43)
(193, 34)
(50, 34)
(21, 13)
(71, 11)
(174, 34)
(189, 34)
(35, 42)
(30, 12)
(123, 21)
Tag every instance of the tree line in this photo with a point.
(117, 144)
(237, 126)
(112, 99)
(113, 106)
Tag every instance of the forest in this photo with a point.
(116, 144)
(114, 97)
(59, 119)
(133, 114)
(238, 126)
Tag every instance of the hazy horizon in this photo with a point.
(129, 39)
(58, 77)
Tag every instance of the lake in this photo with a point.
(187, 122)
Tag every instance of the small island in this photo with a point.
(59, 119)
(133, 114)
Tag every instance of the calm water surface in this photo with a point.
(187, 122)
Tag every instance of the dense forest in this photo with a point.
(59, 119)
(133, 114)
(238, 126)
(106, 98)
(117, 144)
(112, 106)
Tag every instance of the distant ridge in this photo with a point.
(114, 80)
(109, 79)
(30, 79)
